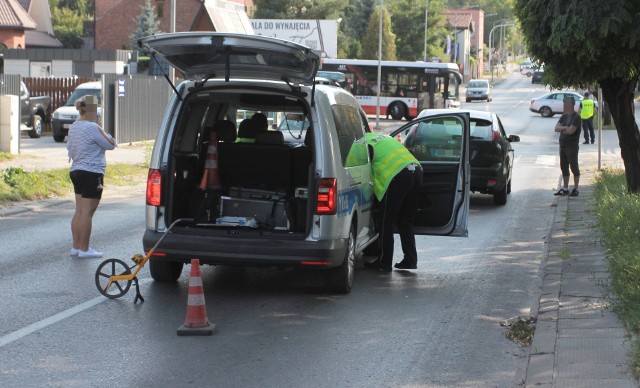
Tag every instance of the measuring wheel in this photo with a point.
(109, 268)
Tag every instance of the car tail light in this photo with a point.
(532, 102)
(495, 135)
(154, 187)
(326, 200)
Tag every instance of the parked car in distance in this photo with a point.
(526, 68)
(552, 103)
(268, 203)
(65, 115)
(491, 153)
(536, 77)
(35, 111)
(479, 89)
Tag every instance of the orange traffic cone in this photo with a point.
(211, 163)
(197, 322)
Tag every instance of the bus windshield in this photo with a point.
(406, 88)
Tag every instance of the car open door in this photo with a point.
(441, 144)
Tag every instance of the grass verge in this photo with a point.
(17, 184)
(619, 219)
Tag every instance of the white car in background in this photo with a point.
(552, 103)
(526, 68)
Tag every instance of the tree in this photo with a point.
(353, 26)
(67, 27)
(408, 25)
(67, 17)
(581, 44)
(146, 24)
(371, 37)
(299, 9)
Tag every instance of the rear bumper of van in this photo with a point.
(232, 250)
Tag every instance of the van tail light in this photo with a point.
(326, 202)
(154, 187)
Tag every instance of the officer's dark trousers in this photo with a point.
(398, 207)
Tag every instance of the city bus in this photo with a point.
(406, 87)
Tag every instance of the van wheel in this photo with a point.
(165, 271)
(58, 138)
(397, 111)
(340, 279)
(36, 129)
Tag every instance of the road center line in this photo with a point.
(25, 331)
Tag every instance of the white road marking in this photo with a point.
(25, 331)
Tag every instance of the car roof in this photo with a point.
(90, 85)
(559, 91)
(474, 114)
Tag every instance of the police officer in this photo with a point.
(397, 179)
(586, 114)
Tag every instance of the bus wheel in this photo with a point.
(397, 111)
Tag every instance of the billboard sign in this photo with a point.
(319, 35)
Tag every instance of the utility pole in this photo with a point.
(426, 14)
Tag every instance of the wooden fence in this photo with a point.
(59, 89)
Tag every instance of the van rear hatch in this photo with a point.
(208, 55)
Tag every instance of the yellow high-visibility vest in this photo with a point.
(587, 108)
(389, 158)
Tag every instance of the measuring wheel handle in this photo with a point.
(113, 278)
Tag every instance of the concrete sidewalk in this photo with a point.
(578, 341)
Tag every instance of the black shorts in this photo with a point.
(87, 184)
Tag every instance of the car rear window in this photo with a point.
(477, 84)
(481, 129)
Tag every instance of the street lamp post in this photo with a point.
(490, 35)
(426, 14)
(379, 67)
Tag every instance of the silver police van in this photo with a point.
(246, 196)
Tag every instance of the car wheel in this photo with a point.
(528, 74)
(545, 111)
(509, 187)
(397, 111)
(58, 138)
(36, 130)
(165, 271)
(500, 197)
(340, 279)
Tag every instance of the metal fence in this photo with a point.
(134, 106)
(10, 84)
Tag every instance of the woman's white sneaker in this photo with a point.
(89, 254)
(74, 252)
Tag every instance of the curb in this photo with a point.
(578, 341)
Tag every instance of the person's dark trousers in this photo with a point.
(398, 207)
(587, 127)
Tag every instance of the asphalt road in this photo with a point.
(438, 326)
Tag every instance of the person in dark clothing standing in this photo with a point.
(397, 179)
(569, 128)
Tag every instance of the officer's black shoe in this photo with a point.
(403, 265)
